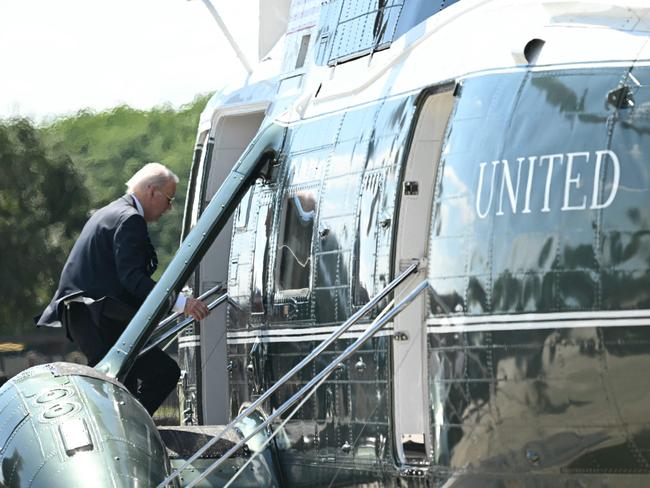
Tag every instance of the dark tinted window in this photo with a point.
(296, 232)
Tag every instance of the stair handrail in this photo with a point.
(262, 152)
(175, 315)
(179, 327)
(170, 318)
(306, 360)
(375, 326)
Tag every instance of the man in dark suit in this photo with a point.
(108, 276)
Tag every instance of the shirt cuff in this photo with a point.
(179, 306)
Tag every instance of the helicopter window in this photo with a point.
(302, 53)
(296, 232)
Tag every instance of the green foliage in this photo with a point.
(43, 204)
(52, 177)
(108, 147)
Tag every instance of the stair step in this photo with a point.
(183, 441)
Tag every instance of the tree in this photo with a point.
(108, 147)
(53, 177)
(43, 205)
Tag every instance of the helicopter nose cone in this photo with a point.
(66, 425)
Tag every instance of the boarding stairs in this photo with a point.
(240, 453)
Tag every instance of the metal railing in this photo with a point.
(315, 382)
(381, 320)
(167, 328)
(262, 151)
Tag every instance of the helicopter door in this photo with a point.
(410, 372)
(232, 135)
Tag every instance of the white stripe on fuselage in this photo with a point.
(534, 321)
(302, 338)
(461, 324)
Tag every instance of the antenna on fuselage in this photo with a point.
(240, 54)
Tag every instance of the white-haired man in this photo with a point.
(107, 276)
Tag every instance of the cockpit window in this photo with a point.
(296, 232)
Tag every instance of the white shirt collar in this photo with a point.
(138, 205)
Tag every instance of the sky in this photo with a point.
(60, 56)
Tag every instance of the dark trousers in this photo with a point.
(152, 377)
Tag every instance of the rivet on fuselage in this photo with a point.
(533, 457)
(401, 336)
(360, 366)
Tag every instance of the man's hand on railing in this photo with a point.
(196, 308)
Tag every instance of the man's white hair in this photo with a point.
(154, 174)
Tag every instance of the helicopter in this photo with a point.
(436, 220)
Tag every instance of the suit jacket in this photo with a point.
(112, 258)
